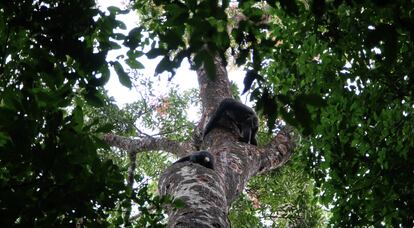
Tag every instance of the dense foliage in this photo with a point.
(50, 172)
(359, 58)
(339, 71)
(283, 198)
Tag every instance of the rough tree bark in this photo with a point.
(209, 193)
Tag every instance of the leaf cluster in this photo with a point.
(283, 198)
(340, 72)
(51, 174)
(184, 29)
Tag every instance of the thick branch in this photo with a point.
(237, 162)
(149, 144)
(276, 154)
(212, 91)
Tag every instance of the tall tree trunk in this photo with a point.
(209, 193)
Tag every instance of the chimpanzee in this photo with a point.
(232, 114)
(203, 158)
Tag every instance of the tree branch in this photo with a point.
(149, 144)
(212, 91)
(278, 151)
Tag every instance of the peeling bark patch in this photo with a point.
(195, 220)
(202, 192)
(186, 171)
(235, 167)
(234, 163)
(282, 148)
(202, 178)
(282, 138)
(275, 162)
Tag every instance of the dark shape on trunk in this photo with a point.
(232, 114)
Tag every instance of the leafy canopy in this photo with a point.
(51, 174)
(339, 71)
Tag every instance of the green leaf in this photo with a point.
(242, 57)
(120, 25)
(118, 36)
(134, 64)
(251, 75)
(122, 76)
(164, 65)
(155, 52)
(204, 59)
(133, 54)
(77, 119)
(315, 100)
(134, 38)
(173, 38)
(113, 9)
(114, 45)
(94, 98)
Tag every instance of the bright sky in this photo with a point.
(184, 77)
